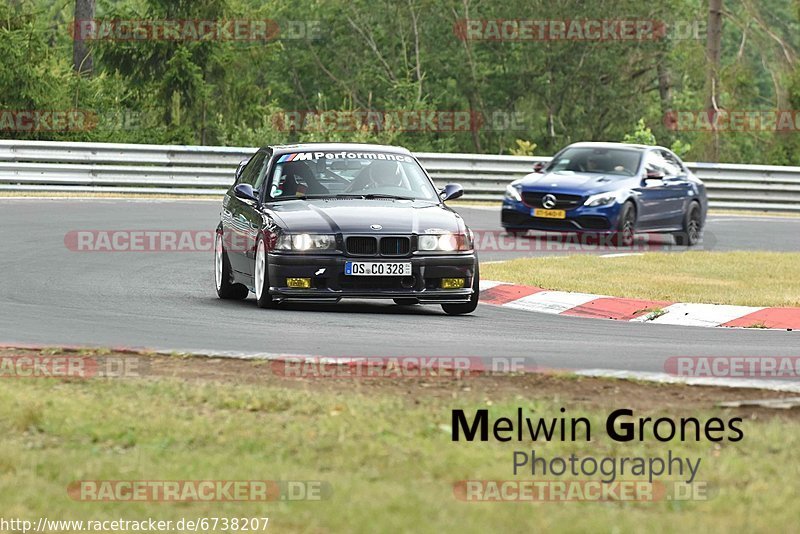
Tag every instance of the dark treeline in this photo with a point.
(403, 58)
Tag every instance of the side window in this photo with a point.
(252, 169)
(240, 179)
(674, 165)
(655, 163)
(262, 174)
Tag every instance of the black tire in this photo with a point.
(692, 227)
(469, 306)
(261, 276)
(223, 276)
(626, 227)
(406, 301)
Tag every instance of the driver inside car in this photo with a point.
(594, 164)
(299, 180)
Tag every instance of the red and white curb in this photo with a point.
(536, 299)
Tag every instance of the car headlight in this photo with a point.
(305, 242)
(602, 199)
(512, 193)
(444, 242)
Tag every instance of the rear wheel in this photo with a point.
(626, 226)
(472, 303)
(222, 274)
(261, 276)
(406, 301)
(692, 227)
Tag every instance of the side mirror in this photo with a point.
(654, 175)
(240, 168)
(245, 192)
(538, 166)
(451, 191)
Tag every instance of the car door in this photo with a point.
(239, 217)
(252, 216)
(679, 188)
(652, 192)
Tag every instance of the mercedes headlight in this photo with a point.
(305, 242)
(512, 193)
(603, 199)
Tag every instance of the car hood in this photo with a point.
(573, 183)
(358, 216)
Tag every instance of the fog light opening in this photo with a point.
(453, 283)
(299, 283)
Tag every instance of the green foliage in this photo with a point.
(680, 148)
(642, 135)
(387, 56)
(523, 148)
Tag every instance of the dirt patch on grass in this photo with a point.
(484, 387)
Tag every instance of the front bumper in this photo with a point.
(602, 219)
(328, 281)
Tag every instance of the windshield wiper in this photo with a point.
(316, 197)
(283, 199)
(340, 195)
(343, 196)
(392, 197)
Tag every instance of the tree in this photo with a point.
(714, 56)
(82, 61)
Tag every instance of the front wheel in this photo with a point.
(222, 274)
(692, 227)
(626, 227)
(261, 276)
(472, 303)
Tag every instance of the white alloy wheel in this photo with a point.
(218, 261)
(261, 267)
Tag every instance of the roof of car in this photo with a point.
(614, 145)
(337, 147)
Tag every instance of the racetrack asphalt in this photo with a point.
(166, 300)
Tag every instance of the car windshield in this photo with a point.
(614, 161)
(349, 174)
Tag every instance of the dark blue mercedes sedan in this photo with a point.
(611, 188)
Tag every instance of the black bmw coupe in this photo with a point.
(322, 222)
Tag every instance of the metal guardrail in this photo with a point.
(44, 166)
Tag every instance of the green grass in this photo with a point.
(387, 456)
(743, 278)
(466, 203)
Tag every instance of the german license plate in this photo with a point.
(550, 214)
(363, 268)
